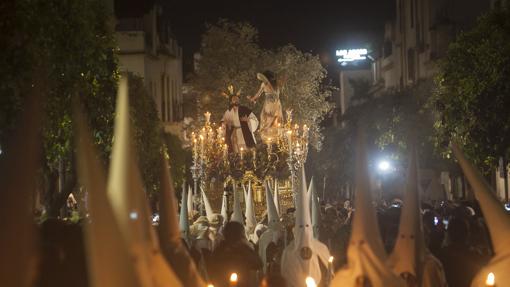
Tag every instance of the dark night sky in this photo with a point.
(316, 26)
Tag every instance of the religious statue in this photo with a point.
(271, 114)
(239, 123)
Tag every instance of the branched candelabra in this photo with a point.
(212, 158)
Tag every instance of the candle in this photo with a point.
(210, 285)
(310, 282)
(242, 153)
(233, 279)
(491, 280)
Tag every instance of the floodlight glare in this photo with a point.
(384, 165)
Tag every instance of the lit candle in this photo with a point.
(491, 280)
(310, 282)
(242, 153)
(330, 268)
(233, 279)
(210, 285)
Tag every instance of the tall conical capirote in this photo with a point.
(300, 259)
(315, 209)
(237, 214)
(366, 257)
(498, 222)
(108, 256)
(183, 215)
(19, 163)
(208, 208)
(224, 207)
(174, 250)
(251, 220)
(126, 194)
(409, 252)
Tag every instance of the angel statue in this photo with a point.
(239, 123)
(271, 114)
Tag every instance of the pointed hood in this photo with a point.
(251, 220)
(108, 256)
(366, 257)
(183, 215)
(208, 209)
(276, 197)
(237, 215)
(18, 173)
(409, 252)
(498, 222)
(300, 259)
(130, 207)
(190, 203)
(272, 214)
(224, 207)
(316, 209)
(169, 231)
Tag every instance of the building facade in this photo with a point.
(147, 48)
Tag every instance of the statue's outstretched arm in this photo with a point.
(257, 95)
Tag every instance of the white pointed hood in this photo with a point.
(275, 228)
(125, 192)
(273, 220)
(366, 257)
(276, 197)
(18, 169)
(251, 220)
(316, 209)
(208, 209)
(409, 252)
(183, 215)
(190, 203)
(224, 207)
(301, 257)
(108, 255)
(498, 223)
(170, 234)
(237, 214)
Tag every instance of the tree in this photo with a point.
(69, 44)
(230, 54)
(473, 93)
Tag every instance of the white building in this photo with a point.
(147, 49)
(413, 42)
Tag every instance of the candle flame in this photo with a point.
(233, 277)
(310, 282)
(491, 279)
(331, 258)
(210, 285)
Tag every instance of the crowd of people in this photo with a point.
(455, 233)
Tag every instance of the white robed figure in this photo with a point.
(271, 113)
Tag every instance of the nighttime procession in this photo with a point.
(163, 143)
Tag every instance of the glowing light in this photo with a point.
(133, 215)
(331, 258)
(491, 280)
(310, 282)
(233, 278)
(384, 166)
(210, 285)
(345, 56)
